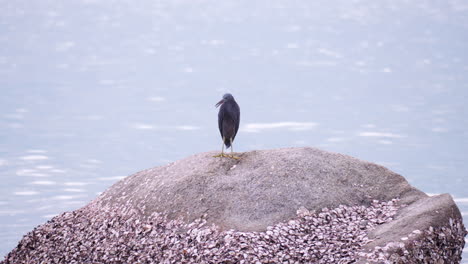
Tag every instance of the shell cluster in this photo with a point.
(434, 245)
(96, 234)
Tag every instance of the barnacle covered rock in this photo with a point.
(295, 205)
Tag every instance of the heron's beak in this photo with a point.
(219, 103)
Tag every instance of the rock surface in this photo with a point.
(429, 230)
(259, 208)
(261, 189)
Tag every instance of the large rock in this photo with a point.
(259, 208)
(262, 188)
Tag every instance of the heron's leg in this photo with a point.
(222, 151)
(232, 151)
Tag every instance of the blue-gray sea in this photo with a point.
(93, 91)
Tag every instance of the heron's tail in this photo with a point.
(227, 142)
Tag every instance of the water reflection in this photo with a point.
(34, 157)
(75, 183)
(380, 135)
(26, 193)
(112, 178)
(462, 201)
(294, 126)
(73, 190)
(43, 183)
(31, 173)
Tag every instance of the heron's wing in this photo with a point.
(236, 119)
(220, 121)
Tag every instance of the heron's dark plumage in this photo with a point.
(228, 119)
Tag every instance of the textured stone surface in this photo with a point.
(261, 189)
(429, 230)
(270, 206)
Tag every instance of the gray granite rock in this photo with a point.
(295, 205)
(262, 188)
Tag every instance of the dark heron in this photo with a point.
(228, 122)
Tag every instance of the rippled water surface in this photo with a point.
(92, 91)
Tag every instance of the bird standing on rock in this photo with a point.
(228, 122)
